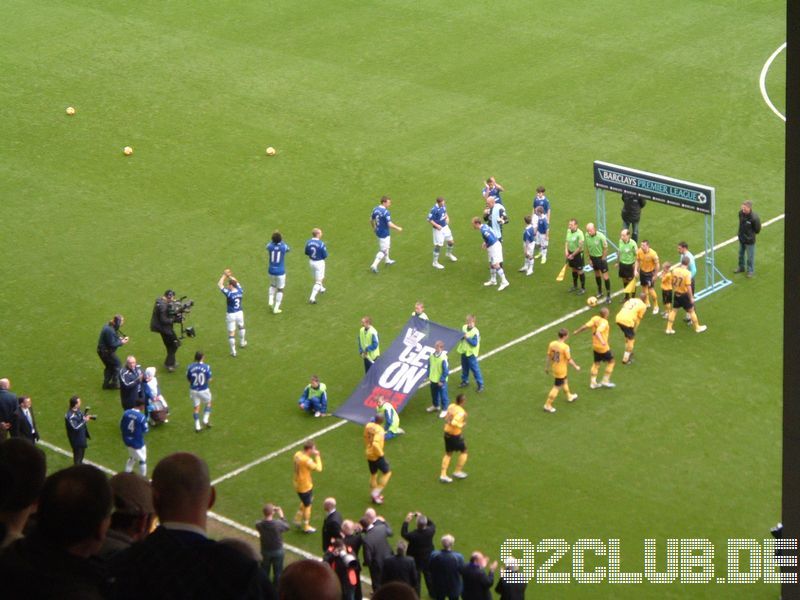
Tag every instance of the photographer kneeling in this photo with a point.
(162, 321)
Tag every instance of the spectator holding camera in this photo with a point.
(271, 529)
(420, 545)
(111, 339)
(162, 322)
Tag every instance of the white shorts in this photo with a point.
(317, 270)
(200, 397)
(384, 243)
(277, 281)
(234, 320)
(139, 455)
(528, 248)
(541, 239)
(495, 253)
(442, 235)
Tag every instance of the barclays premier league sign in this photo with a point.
(674, 192)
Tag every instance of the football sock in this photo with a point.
(278, 300)
(608, 285)
(436, 253)
(671, 319)
(445, 465)
(232, 343)
(314, 291)
(378, 258)
(242, 340)
(574, 279)
(583, 280)
(271, 295)
(565, 387)
(609, 370)
(493, 274)
(306, 515)
(462, 460)
(384, 481)
(206, 414)
(551, 396)
(373, 481)
(695, 320)
(501, 273)
(143, 468)
(599, 281)
(594, 370)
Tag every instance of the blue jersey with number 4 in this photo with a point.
(234, 298)
(316, 250)
(277, 254)
(133, 426)
(198, 374)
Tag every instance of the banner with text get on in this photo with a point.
(399, 370)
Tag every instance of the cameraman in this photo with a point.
(111, 339)
(161, 322)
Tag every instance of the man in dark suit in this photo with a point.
(400, 567)
(8, 406)
(332, 526)
(24, 423)
(376, 544)
(477, 582)
(420, 546)
(178, 560)
(445, 566)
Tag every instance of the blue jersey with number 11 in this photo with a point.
(277, 253)
(198, 374)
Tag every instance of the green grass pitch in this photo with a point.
(415, 100)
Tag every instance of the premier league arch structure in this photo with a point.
(666, 190)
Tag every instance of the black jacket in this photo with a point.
(331, 528)
(632, 207)
(160, 321)
(477, 583)
(420, 543)
(399, 568)
(77, 431)
(749, 227)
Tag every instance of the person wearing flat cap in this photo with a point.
(133, 513)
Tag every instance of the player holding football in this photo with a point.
(381, 221)
(199, 375)
(628, 319)
(454, 423)
(306, 461)
(440, 221)
(683, 297)
(648, 265)
(558, 360)
(234, 316)
(494, 248)
(600, 348)
(373, 442)
(317, 253)
(277, 250)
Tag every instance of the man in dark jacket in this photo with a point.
(507, 585)
(162, 322)
(376, 544)
(445, 566)
(24, 424)
(632, 206)
(477, 581)
(8, 406)
(131, 389)
(332, 525)
(400, 567)
(77, 431)
(110, 339)
(749, 228)
(420, 546)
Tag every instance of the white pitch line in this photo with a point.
(63, 452)
(762, 81)
(278, 452)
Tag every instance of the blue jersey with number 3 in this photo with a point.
(277, 254)
(198, 374)
(234, 298)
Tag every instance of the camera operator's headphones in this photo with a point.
(117, 321)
